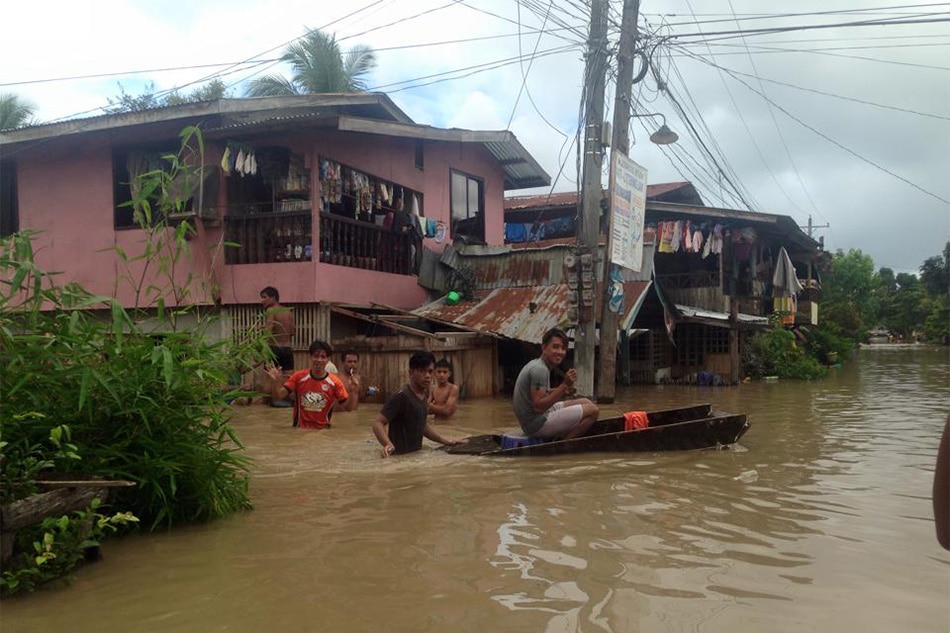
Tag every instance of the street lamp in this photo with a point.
(664, 135)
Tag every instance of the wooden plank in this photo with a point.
(56, 503)
(380, 321)
(84, 483)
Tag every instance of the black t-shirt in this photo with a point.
(407, 419)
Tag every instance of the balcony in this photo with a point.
(288, 237)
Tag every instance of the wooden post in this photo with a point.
(734, 359)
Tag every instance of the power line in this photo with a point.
(778, 129)
(808, 27)
(842, 146)
(771, 16)
(732, 71)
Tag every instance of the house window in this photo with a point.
(9, 213)
(468, 208)
(178, 195)
(128, 165)
(420, 155)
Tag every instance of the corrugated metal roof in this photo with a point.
(522, 314)
(569, 198)
(692, 313)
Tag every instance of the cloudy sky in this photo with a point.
(848, 125)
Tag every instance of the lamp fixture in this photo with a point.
(664, 135)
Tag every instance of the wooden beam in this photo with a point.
(461, 327)
(376, 319)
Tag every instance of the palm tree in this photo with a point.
(319, 65)
(15, 112)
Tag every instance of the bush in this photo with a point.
(141, 407)
(776, 353)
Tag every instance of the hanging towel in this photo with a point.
(226, 160)
(432, 228)
(634, 420)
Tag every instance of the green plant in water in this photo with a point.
(22, 463)
(776, 353)
(52, 549)
(144, 399)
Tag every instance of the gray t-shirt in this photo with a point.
(533, 375)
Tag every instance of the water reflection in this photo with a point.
(833, 531)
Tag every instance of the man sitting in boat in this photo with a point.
(539, 408)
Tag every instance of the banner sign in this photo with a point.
(628, 199)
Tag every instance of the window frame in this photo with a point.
(479, 183)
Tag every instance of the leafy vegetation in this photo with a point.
(54, 548)
(15, 111)
(854, 300)
(318, 65)
(139, 393)
(151, 97)
(776, 353)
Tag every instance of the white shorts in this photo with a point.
(560, 420)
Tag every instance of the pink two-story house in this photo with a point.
(308, 187)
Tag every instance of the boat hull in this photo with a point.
(686, 428)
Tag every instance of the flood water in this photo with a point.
(820, 521)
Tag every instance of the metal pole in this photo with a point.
(609, 321)
(588, 226)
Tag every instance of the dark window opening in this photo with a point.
(9, 211)
(128, 166)
(468, 208)
(420, 154)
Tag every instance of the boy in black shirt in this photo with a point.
(402, 422)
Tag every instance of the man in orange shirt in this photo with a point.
(315, 389)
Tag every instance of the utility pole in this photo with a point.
(620, 142)
(812, 227)
(588, 221)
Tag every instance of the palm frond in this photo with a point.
(359, 62)
(15, 111)
(271, 86)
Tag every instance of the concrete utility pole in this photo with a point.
(812, 227)
(588, 224)
(620, 142)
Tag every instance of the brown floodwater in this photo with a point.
(820, 521)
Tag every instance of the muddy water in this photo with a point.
(820, 521)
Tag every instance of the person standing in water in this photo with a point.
(443, 402)
(402, 423)
(316, 391)
(279, 327)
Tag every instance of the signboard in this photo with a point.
(628, 199)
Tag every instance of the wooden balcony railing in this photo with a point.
(288, 237)
(348, 242)
(268, 237)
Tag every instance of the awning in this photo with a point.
(691, 314)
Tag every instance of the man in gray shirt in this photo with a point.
(539, 408)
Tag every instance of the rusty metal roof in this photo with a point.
(525, 313)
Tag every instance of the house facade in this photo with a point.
(332, 199)
(713, 277)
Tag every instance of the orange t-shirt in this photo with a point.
(315, 398)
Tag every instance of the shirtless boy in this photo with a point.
(279, 326)
(444, 398)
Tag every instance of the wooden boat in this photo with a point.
(685, 428)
